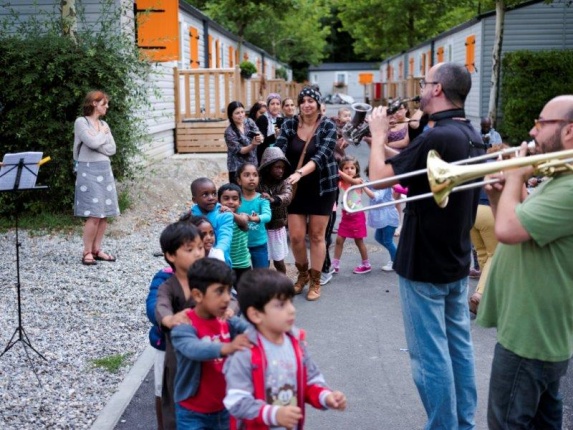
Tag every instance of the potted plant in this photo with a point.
(281, 73)
(339, 84)
(247, 69)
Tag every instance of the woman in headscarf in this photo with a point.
(316, 180)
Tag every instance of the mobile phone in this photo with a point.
(253, 134)
(279, 121)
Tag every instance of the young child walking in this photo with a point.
(230, 199)
(182, 246)
(352, 225)
(385, 220)
(259, 211)
(273, 170)
(202, 346)
(268, 385)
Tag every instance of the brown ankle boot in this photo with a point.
(314, 286)
(302, 278)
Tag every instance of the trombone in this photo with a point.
(445, 178)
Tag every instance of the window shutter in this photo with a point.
(470, 53)
(194, 47)
(441, 54)
(157, 29)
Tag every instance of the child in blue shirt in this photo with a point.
(204, 195)
(259, 211)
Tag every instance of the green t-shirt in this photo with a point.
(529, 290)
(240, 255)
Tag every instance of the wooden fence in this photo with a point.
(201, 99)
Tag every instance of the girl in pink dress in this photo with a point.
(352, 225)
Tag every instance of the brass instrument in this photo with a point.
(445, 178)
(357, 128)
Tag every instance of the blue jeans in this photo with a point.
(524, 393)
(191, 420)
(437, 327)
(385, 237)
(259, 256)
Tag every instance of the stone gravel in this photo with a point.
(74, 314)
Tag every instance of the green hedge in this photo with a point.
(530, 79)
(44, 81)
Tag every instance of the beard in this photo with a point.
(553, 143)
(424, 101)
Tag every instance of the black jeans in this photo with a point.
(524, 393)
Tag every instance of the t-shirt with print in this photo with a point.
(211, 391)
(354, 197)
(257, 230)
(280, 374)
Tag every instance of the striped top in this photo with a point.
(240, 255)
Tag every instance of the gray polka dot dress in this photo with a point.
(95, 195)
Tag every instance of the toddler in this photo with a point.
(268, 385)
(352, 225)
(259, 212)
(385, 220)
(273, 187)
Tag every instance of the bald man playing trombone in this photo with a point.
(433, 256)
(529, 291)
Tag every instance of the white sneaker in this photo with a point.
(325, 278)
(388, 267)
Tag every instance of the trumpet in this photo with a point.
(357, 128)
(445, 178)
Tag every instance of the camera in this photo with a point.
(253, 134)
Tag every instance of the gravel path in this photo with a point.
(74, 314)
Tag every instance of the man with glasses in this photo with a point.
(434, 252)
(529, 293)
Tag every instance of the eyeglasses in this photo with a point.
(423, 83)
(538, 123)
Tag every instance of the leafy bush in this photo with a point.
(281, 73)
(44, 80)
(530, 79)
(247, 69)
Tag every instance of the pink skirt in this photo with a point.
(352, 226)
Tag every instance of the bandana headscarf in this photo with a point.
(273, 96)
(310, 92)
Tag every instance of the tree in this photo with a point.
(69, 19)
(386, 27)
(496, 60)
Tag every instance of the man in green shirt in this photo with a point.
(529, 292)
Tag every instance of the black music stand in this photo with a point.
(17, 170)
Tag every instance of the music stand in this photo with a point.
(22, 175)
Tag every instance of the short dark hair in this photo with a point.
(456, 82)
(229, 187)
(208, 271)
(258, 287)
(196, 220)
(198, 182)
(253, 111)
(174, 236)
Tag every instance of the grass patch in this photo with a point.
(111, 363)
(40, 223)
(124, 200)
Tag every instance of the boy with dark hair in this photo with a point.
(169, 295)
(204, 195)
(230, 199)
(202, 346)
(268, 384)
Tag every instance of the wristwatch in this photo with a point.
(299, 171)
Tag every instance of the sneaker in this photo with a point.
(362, 269)
(389, 267)
(334, 270)
(325, 278)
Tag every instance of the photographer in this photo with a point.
(242, 138)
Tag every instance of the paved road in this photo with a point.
(356, 336)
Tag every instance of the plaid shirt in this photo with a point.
(325, 141)
(235, 140)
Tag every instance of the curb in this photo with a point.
(113, 410)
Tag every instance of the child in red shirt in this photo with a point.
(201, 348)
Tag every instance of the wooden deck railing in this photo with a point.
(205, 93)
(406, 88)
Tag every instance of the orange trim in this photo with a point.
(471, 53)
(158, 29)
(194, 48)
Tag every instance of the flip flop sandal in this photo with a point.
(88, 261)
(108, 257)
